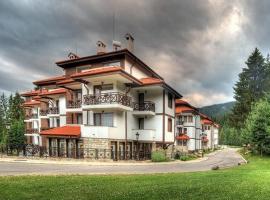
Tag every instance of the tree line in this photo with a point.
(11, 120)
(249, 121)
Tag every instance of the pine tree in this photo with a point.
(257, 127)
(3, 118)
(15, 114)
(253, 84)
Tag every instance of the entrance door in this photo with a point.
(141, 101)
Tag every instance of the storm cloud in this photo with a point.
(198, 46)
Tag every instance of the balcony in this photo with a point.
(74, 105)
(110, 100)
(144, 108)
(51, 111)
(43, 112)
(179, 122)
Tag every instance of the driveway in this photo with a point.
(224, 158)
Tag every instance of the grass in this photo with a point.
(251, 181)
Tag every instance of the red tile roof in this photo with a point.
(206, 121)
(32, 93)
(150, 81)
(183, 106)
(31, 103)
(181, 109)
(182, 137)
(52, 92)
(96, 71)
(74, 131)
(68, 80)
(181, 101)
(49, 80)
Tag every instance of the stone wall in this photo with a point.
(96, 143)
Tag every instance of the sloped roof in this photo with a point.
(52, 92)
(49, 81)
(150, 81)
(31, 103)
(74, 131)
(96, 71)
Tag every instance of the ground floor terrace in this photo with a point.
(91, 148)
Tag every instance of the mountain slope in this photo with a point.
(217, 110)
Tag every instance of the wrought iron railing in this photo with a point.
(43, 112)
(108, 98)
(54, 110)
(179, 122)
(72, 152)
(144, 106)
(74, 104)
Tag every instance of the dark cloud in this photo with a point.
(198, 46)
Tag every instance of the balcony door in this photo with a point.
(97, 90)
(141, 101)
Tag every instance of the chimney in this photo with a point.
(101, 47)
(116, 45)
(129, 42)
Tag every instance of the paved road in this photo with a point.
(225, 158)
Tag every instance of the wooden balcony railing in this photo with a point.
(31, 130)
(144, 106)
(74, 104)
(108, 98)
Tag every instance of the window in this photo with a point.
(185, 118)
(141, 123)
(190, 119)
(169, 125)
(78, 95)
(88, 119)
(99, 88)
(103, 119)
(170, 100)
(79, 118)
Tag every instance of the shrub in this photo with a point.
(159, 156)
(188, 157)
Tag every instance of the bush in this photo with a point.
(188, 157)
(159, 156)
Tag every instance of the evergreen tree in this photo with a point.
(3, 117)
(252, 85)
(257, 127)
(15, 119)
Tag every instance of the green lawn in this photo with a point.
(250, 181)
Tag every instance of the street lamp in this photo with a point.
(137, 138)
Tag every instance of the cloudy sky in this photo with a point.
(198, 46)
